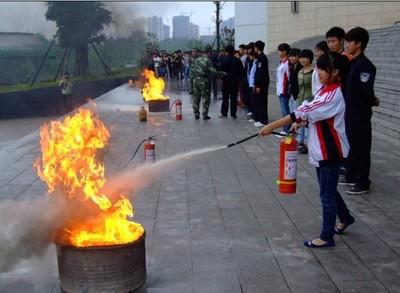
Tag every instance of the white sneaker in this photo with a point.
(251, 120)
(249, 113)
(258, 124)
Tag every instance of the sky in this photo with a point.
(29, 16)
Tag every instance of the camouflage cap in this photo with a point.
(207, 49)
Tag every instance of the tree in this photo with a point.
(228, 36)
(78, 24)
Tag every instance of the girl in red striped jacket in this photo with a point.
(327, 144)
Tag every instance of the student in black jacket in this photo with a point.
(294, 68)
(233, 68)
(261, 83)
(359, 98)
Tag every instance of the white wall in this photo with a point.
(250, 22)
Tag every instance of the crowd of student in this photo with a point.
(326, 96)
(327, 102)
(333, 104)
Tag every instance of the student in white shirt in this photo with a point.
(320, 49)
(327, 145)
(282, 81)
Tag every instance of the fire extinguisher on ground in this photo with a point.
(149, 146)
(288, 165)
(149, 151)
(178, 109)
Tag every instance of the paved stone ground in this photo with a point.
(217, 223)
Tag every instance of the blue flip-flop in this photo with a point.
(330, 243)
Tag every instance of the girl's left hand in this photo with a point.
(296, 126)
(266, 130)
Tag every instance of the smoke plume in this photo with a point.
(27, 228)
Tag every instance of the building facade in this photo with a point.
(250, 22)
(155, 26)
(166, 32)
(194, 31)
(180, 27)
(295, 20)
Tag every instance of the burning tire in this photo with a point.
(102, 269)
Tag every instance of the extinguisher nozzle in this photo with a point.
(242, 140)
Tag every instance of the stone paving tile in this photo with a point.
(217, 223)
(361, 286)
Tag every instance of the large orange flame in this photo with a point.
(153, 87)
(70, 164)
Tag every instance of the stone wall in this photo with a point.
(383, 51)
(315, 18)
(48, 101)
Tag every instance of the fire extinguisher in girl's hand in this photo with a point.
(288, 165)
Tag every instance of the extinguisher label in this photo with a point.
(179, 110)
(150, 156)
(290, 165)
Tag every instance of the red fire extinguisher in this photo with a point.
(288, 165)
(149, 151)
(178, 109)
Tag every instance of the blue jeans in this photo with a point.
(285, 109)
(331, 200)
(292, 104)
(302, 135)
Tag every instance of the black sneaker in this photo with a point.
(206, 117)
(234, 117)
(303, 150)
(342, 171)
(343, 181)
(357, 190)
(197, 117)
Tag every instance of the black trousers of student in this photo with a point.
(214, 86)
(244, 92)
(66, 99)
(260, 106)
(358, 162)
(229, 98)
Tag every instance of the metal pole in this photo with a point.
(106, 68)
(44, 58)
(61, 64)
(217, 22)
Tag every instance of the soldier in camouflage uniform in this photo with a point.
(195, 55)
(201, 72)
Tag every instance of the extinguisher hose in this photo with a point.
(250, 137)
(153, 137)
(173, 103)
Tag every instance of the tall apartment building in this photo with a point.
(166, 32)
(180, 27)
(155, 26)
(194, 31)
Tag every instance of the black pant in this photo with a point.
(260, 106)
(214, 86)
(358, 163)
(66, 102)
(244, 91)
(229, 96)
